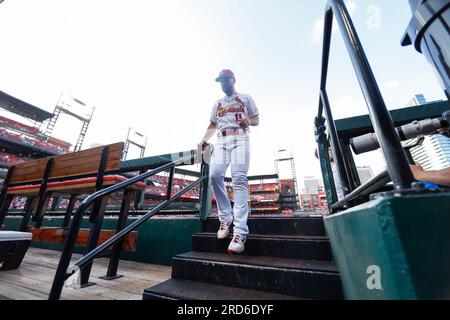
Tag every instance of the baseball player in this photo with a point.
(231, 116)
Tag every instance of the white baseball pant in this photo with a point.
(234, 150)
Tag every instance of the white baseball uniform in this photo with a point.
(227, 113)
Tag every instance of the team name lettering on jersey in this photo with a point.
(223, 110)
(229, 112)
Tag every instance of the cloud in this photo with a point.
(390, 85)
(348, 105)
(351, 6)
(317, 30)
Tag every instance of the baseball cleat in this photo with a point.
(224, 229)
(237, 244)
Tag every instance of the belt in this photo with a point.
(231, 132)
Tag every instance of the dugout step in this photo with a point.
(284, 246)
(176, 289)
(306, 226)
(300, 278)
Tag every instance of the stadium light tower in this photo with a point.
(281, 157)
(137, 139)
(73, 107)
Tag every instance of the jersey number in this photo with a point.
(238, 117)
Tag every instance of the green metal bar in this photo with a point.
(157, 161)
(205, 192)
(327, 173)
(350, 162)
(405, 237)
(87, 258)
(362, 191)
(356, 126)
(66, 255)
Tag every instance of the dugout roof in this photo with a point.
(23, 108)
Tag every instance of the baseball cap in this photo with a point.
(225, 74)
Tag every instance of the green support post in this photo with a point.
(348, 157)
(327, 172)
(394, 247)
(205, 193)
(205, 190)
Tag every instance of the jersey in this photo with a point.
(228, 112)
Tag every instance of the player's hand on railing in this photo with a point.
(202, 145)
(204, 150)
(244, 124)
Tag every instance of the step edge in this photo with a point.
(262, 236)
(279, 218)
(246, 265)
(213, 285)
(162, 297)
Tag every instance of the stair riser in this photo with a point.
(305, 284)
(306, 227)
(282, 248)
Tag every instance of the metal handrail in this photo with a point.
(397, 164)
(61, 273)
(367, 188)
(118, 236)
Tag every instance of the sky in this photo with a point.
(151, 65)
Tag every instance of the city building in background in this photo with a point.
(310, 201)
(313, 196)
(434, 152)
(312, 185)
(365, 173)
(316, 201)
(417, 100)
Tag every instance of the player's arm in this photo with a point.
(253, 115)
(254, 121)
(210, 131)
(441, 177)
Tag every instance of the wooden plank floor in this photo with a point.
(33, 279)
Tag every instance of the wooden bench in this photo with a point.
(72, 174)
(65, 169)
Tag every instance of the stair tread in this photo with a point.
(278, 218)
(276, 225)
(262, 261)
(194, 290)
(271, 236)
